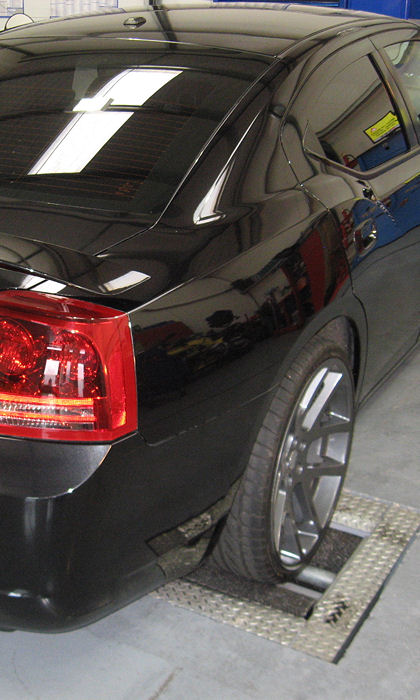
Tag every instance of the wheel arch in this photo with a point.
(345, 319)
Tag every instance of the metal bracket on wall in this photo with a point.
(371, 535)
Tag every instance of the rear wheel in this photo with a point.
(296, 470)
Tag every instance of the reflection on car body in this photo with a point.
(193, 305)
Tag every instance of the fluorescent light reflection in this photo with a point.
(79, 142)
(98, 119)
(40, 284)
(129, 279)
(49, 287)
(131, 88)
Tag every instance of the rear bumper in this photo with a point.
(38, 469)
(67, 557)
(64, 610)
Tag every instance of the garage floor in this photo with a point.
(152, 650)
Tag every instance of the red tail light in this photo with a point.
(66, 369)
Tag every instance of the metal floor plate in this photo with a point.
(333, 619)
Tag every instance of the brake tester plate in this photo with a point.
(320, 625)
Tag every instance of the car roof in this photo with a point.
(252, 27)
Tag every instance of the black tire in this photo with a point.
(297, 467)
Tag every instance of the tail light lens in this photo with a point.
(66, 369)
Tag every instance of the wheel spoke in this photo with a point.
(318, 396)
(291, 551)
(328, 467)
(278, 511)
(304, 492)
(324, 431)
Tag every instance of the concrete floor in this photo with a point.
(152, 650)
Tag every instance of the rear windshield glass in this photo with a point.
(107, 130)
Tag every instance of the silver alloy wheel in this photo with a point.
(311, 463)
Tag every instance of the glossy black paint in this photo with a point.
(257, 250)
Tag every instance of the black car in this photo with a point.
(209, 255)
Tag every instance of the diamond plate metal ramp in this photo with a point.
(323, 624)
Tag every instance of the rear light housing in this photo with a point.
(67, 369)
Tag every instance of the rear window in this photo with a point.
(111, 131)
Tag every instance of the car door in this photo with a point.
(363, 162)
